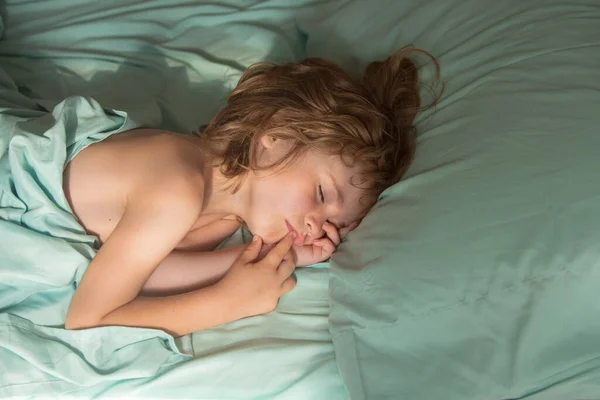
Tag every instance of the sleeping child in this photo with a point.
(298, 155)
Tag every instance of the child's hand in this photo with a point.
(256, 284)
(321, 249)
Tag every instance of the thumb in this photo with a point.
(251, 251)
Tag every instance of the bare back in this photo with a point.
(101, 180)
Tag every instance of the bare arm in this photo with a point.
(178, 314)
(184, 271)
(146, 234)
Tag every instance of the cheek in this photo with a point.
(283, 197)
(267, 214)
(273, 207)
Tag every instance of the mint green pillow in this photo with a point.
(478, 275)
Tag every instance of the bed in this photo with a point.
(476, 277)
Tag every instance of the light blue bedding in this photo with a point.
(476, 278)
(44, 251)
(170, 65)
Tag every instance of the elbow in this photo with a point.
(72, 323)
(76, 322)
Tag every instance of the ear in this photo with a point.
(267, 141)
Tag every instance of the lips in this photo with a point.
(299, 240)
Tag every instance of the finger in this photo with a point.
(288, 285)
(251, 251)
(265, 248)
(326, 246)
(277, 253)
(332, 232)
(292, 255)
(286, 268)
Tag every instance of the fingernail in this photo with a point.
(254, 238)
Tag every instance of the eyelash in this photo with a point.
(321, 195)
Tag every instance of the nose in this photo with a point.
(315, 226)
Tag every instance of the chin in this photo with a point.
(268, 236)
(272, 239)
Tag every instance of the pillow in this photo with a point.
(477, 276)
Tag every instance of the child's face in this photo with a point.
(312, 190)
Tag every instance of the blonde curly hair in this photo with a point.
(314, 104)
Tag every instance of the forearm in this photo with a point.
(184, 271)
(184, 296)
(178, 314)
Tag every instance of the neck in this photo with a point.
(218, 194)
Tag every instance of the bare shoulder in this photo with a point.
(145, 168)
(165, 191)
(166, 169)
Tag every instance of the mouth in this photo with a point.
(299, 240)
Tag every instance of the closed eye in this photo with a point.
(321, 195)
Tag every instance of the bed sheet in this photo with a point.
(170, 64)
(287, 354)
